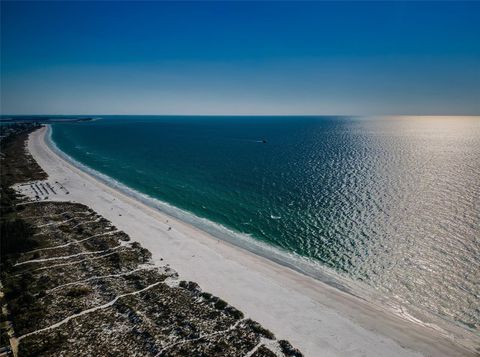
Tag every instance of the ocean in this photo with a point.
(391, 204)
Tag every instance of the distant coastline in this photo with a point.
(44, 119)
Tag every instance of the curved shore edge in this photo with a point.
(316, 317)
(289, 259)
(278, 255)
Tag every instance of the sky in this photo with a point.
(240, 58)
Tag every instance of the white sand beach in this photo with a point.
(318, 319)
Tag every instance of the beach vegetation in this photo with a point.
(257, 328)
(16, 236)
(189, 285)
(288, 349)
(220, 304)
(79, 291)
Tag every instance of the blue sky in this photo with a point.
(240, 58)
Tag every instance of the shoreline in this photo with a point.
(290, 260)
(314, 316)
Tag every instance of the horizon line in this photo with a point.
(251, 115)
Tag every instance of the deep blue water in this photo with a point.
(391, 202)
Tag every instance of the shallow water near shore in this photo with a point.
(391, 202)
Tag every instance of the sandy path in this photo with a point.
(318, 319)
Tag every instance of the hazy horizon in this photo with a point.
(240, 115)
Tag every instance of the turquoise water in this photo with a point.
(391, 202)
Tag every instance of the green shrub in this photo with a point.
(79, 291)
